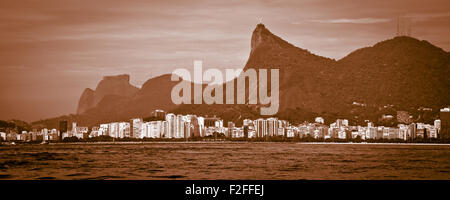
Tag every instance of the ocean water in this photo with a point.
(290, 161)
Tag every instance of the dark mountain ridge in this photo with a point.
(402, 71)
(110, 85)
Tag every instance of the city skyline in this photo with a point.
(49, 49)
(177, 126)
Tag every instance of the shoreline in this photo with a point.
(225, 142)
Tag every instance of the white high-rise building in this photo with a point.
(103, 130)
(272, 125)
(261, 127)
(154, 129)
(164, 128)
(180, 126)
(218, 123)
(135, 127)
(171, 125)
(124, 129)
(437, 124)
(74, 127)
(201, 125)
(113, 129)
(144, 130)
(187, 129)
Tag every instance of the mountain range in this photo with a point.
(402, 73)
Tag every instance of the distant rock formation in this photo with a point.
(402, 71)
(86, 101)
(110, 85)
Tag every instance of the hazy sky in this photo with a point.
(51, 50)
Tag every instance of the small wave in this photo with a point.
(155, 170)
(13, 163)
(3, 176)
(170, 177)
(107, 177)
(77, 174)
(46, 178)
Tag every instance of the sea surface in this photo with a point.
(225, 161)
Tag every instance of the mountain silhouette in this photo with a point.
(110, 85)
(402, 71)
(306, 80)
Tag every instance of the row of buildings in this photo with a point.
(341, 130)
(47, 134)
(188, 126)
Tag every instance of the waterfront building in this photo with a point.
(247, 122)
(123, 130)
(272, 127)
(219, 123)
(103, 129)
(95, 132)
(179, 131)
(412, 131)
(341, 133)
(290, 132)
(432, 133)
(201, 126)
(171, 125)
(342, 122)
(135, 127)
(62, 128)
(444, 131)
(261, 127)
(245, 131)
(230, 129)
(319, 120)
(187, 129)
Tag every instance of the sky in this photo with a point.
(51, 50)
